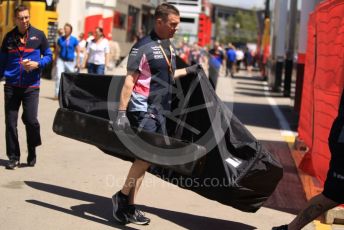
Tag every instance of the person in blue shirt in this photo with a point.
(67, 46)
(231, 58)
(24, 53)
(216, 57)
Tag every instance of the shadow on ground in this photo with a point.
(102, 207)
(289, 196)
(264, 115)
(254, 78)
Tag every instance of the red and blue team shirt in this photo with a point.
(152, 91)
(13, 52)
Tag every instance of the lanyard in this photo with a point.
(21, 53)
(167, 60)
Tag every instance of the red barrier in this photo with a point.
(323, 84)
(306, 112)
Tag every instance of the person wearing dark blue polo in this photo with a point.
(66, 61)
(24, 53)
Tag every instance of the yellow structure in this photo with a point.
(43, 16)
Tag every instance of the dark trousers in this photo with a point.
(29, 98)
(213, 76)
(149, 122)
(229, 69)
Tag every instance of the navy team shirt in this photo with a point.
(152, 91)
(13, 52)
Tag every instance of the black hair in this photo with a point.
(101, 30)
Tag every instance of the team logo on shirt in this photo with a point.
(134, 51)
(155, 48)
(157, 54)
(34, 38)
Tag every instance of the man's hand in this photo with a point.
(29, 65)
(193, 69)
(188, 70)
(122, 122)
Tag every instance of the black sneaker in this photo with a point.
(283, 227)
(120, 205)
(31, 158)
(31, 161)
(12, 164)
(136, 216)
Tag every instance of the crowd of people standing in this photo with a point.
(95, 53)
(218, 59)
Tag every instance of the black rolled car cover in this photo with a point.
(207, 150)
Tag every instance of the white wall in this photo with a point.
(73, 12)
(189, 29)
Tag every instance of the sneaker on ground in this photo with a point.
(31, 161)
(12, 164)
(136, 216)
(120, 205)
